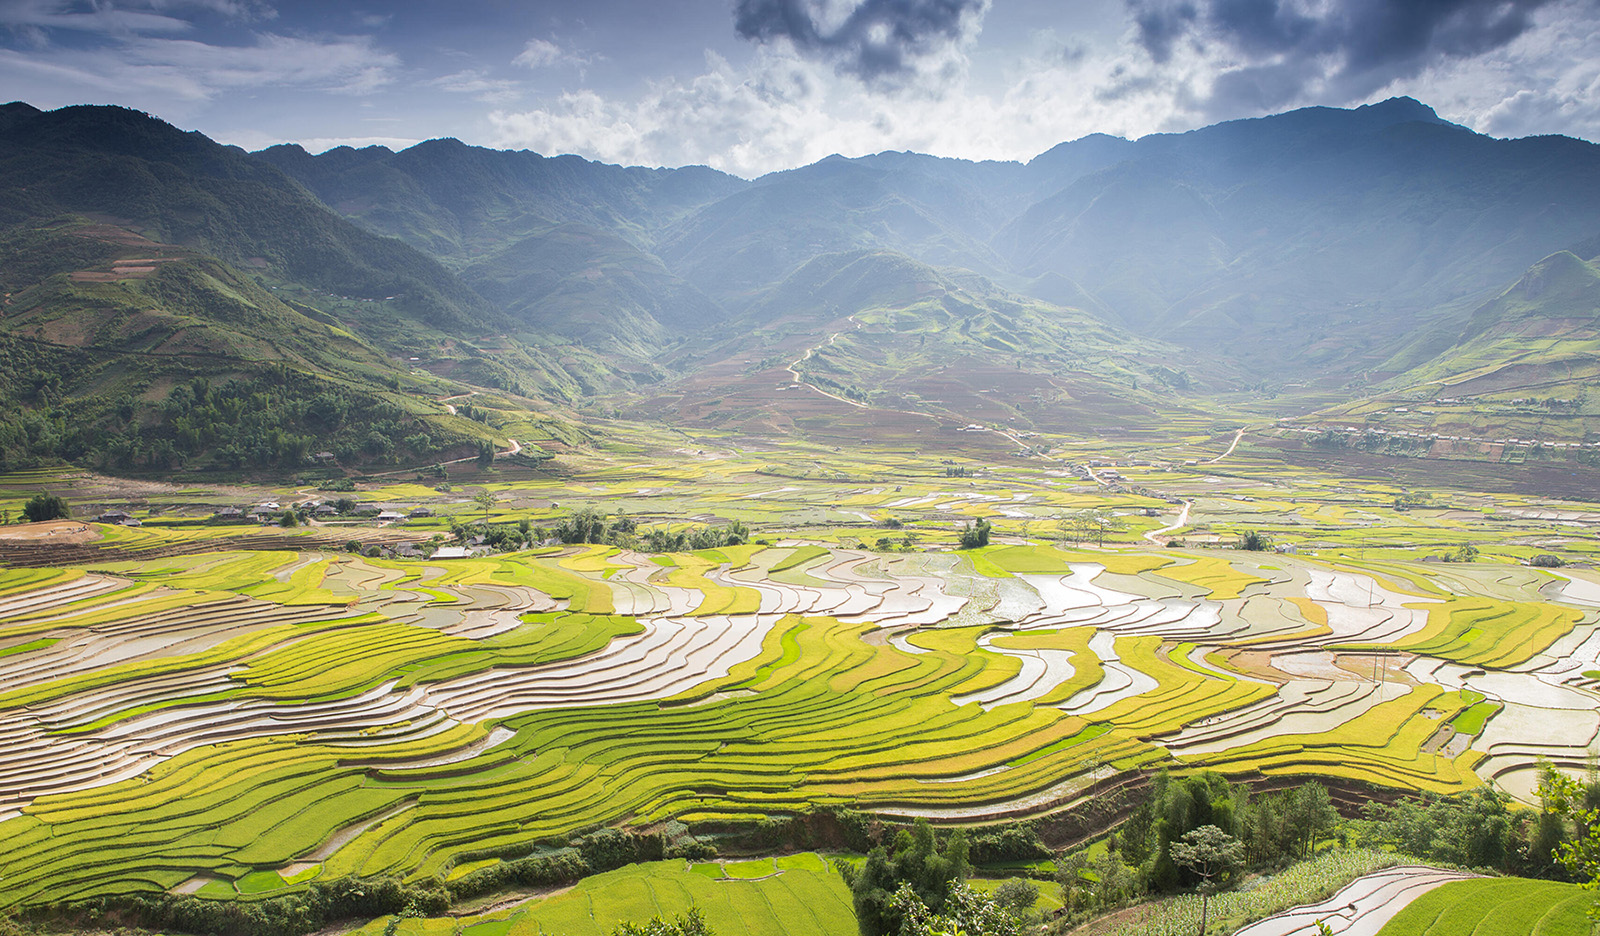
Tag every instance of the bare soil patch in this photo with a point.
(51, 531)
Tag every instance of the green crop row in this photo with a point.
(1495, 907)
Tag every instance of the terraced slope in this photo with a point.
(241, 722)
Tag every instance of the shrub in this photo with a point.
(690, 924)
(42, 507)
(1547, 561)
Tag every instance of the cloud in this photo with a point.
(107, 19)
(785, 108)
(148, 53)
(877, 41)
(1268, 53)
(542, 53)
(477, 83)
(1545, 81)
(1160, 25)
(782, 110)
(130, 17)
(186, 70)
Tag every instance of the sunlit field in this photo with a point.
(233, 711)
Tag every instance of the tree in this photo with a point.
(1075, 887)
(484, 499)
(1102, 522)
(1115, 883)
(1311, 815)
(1568, 798)
(1213, 855)
(1253, 540)
(1017, 895)
(975, 536)
(692, 923)
(1092, 524)
(966, 913)
(42, 507)
(917, 861)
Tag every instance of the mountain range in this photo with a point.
(1268, 267)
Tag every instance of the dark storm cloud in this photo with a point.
(1355, 46)
(1162, 24)
(877, 39)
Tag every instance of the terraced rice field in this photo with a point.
(236, 722)
(1376, 902)
(1495, 907)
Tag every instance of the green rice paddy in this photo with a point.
(1496, 907)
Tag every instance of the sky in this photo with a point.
(754, 86)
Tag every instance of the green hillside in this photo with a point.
(172, 303)
(181, 188)
(593, 288)
(918, 349)
(1519, 368)
(154, 357)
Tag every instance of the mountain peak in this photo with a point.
(1401, 110)
(16, 112)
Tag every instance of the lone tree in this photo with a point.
(1213, 855)
(484, 499)
(976, 535)
(42, 507)
(1254, 540)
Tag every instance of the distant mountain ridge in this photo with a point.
(1318, 237)
(1295, 260)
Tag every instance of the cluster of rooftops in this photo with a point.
(268, 511)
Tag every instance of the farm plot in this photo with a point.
(1365, 905)
(348, 715)
(802, 898)
(1495, 907)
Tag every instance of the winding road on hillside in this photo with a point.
(1178, 524)
(1231, 446)
(794, 369)
(449, 407)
